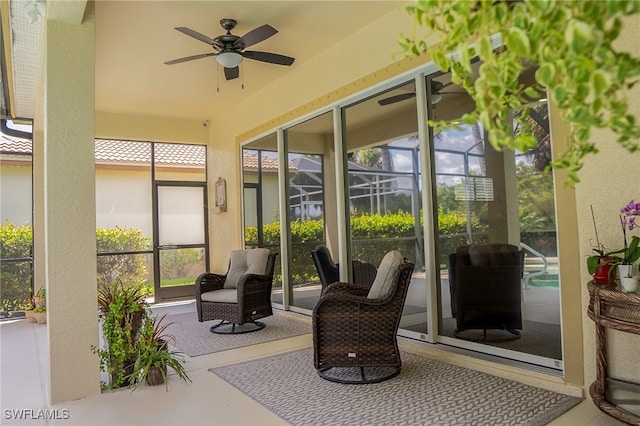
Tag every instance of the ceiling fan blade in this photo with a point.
(231, 73)
(272, 58)
(256, 35)
(196, 35)
(189, 58)
(396, 98)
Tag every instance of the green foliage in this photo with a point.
(176, 263)
(15, 277)
(123, 268)
(153, 352)
(373, 235)
(536, 202)
(122, 310)
(571, 43)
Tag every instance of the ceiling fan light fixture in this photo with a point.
(229, 59)
(435, 98)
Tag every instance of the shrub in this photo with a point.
(15, 242)
(120, 267)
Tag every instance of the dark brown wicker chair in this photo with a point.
(329, 271)
(241, 296)
(486, 288)
(355, 326)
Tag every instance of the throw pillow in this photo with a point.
(383, 283)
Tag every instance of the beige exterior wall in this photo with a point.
(608, 181)
(15, 194)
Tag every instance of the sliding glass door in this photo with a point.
(309, 155)
(384, 192)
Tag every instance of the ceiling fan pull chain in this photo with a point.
(218, 79)
(242, 83)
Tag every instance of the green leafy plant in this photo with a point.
(602, 257)
(125, 268)
(628, 215)
(571, 43)
(122, 310)
(155, 356)
(16, 277)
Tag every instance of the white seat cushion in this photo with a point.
(243, 262)
(225, 295)
(383, 284)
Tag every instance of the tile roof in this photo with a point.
(250, 161)
(131, 152)
(14, 145)
(110, 151)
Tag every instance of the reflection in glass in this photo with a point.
(485, 196)
(385, 200)
(261, 201)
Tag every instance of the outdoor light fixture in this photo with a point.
(229, 59)
(435, 98)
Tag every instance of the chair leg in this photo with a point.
(226, 327)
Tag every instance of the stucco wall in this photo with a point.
(608, 181)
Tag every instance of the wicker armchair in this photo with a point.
(329, 271)
(241, 296)
(355, 327)
(485, 286)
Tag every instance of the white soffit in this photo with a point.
(25, 46)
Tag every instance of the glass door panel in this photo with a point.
(385, 202)
(261, 200)
(181, 215)
(485, 196)
(310, 148)
(181, 238)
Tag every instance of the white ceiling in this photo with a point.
(135, 38)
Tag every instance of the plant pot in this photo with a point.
(625, 270)
(603, 274)
(30, 315)
(40, 317)
(629, 284)
(155, 376)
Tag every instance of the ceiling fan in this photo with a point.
(229, 48)
(436, 95)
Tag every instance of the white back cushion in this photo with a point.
(383, 284)
(243, 262)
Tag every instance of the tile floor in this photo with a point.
(208, 400)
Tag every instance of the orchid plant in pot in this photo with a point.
(631, 251)
(601, 265)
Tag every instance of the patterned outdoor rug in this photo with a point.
(427, 392)
(194, 338)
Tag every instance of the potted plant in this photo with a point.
(155, 357)
(602, 265)
(122, 309)
(630, 252)
(40, 306)
(29, 307)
